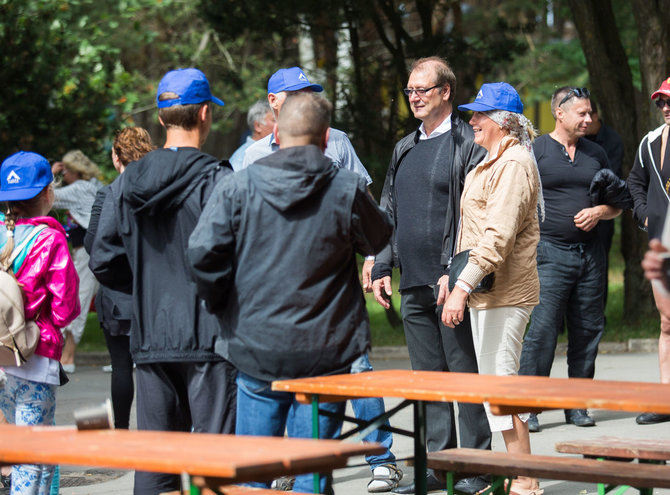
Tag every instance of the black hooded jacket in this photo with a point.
(140, 246)
(274, 256)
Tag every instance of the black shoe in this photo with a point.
(432, 484)
(533, 423)
(578, 417)
(472, 485)
(652, 418)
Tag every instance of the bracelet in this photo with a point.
(464, 286)
(369, 258)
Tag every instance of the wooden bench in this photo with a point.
(504, 466)
(229, 490)
(615, 448)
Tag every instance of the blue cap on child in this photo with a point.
(23, 175)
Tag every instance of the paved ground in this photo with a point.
(91, 386)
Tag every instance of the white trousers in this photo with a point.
(88, 286)
(497, 334)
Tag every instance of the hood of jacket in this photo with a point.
(163, 178)
(290, 175)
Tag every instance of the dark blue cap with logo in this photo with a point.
(495, 96)
(190, 85)
(291, 79)
(23, 175)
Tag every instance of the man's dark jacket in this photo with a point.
(465, 156)
(140, 246)
(274, 255)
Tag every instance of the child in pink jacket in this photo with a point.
(50, 287)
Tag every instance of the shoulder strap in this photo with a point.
(664, 142)
(17, 250)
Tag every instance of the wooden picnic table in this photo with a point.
(222, 458)
(505, 394)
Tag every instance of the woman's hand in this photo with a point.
(453, 311)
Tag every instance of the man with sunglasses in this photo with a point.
(649, 183)
(571, 259)
(422, 195)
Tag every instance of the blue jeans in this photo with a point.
(572, 283)
(368, 409)
(264, 412)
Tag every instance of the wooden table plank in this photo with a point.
(236, 458)
(627, 448)
(512, 392)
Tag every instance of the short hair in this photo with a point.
(558, 96)
(443, 73)
(594, 105)
(305, 114)
(131, 144)
(257, 113)
(77, 162)
(182, 116)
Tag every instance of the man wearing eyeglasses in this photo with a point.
(571, 259)
(422, 195)
(649, 183)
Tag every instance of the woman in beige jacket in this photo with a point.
(500, 206)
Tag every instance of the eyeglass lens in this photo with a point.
(419, 91)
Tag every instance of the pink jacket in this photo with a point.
(50, 285)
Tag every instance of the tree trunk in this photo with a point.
(612, 85)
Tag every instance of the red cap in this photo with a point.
(663, 90)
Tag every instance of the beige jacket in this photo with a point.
(499, 218)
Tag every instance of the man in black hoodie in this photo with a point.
(140, 247)
(274, 256)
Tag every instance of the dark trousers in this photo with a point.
(434, 347)
(123, 388)
(572, 283)
(198, 396)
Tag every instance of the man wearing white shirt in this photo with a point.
(339, 148)
(422, 195)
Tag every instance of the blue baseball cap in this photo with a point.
(495, 96)
(23, 175)
(190, 85)
(291, 79)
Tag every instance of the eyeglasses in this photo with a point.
(420, 91)
(661, 103)
(578, 92)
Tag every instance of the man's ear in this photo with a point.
(324, 142)
(161, 121)
(446, 94)
(275, 131)
(202, 113)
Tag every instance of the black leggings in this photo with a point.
(123, 387)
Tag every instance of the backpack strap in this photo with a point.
(18, 249)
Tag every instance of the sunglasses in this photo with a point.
(660, 103)
(578, 92)
(419, 91)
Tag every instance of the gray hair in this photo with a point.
(257, 113)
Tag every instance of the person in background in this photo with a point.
(609, 140)
(285, 322)
(649, 183)
(421, 194)
(571, 259)
(115, 308)
(261, 121)
(183, 383)
(80, 185)
(500, 206)
(48, 279)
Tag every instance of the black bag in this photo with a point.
(458, 262)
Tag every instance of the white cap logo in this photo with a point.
(13, 178)
(479, 95)
(302, 77)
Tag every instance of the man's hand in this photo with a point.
(652, 263)
(366, 271)
(382, 290)
(57, 167)
(453, 311)
(443, 284)
(588, 218)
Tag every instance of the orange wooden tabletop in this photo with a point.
(236, 458)
(505, 393)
